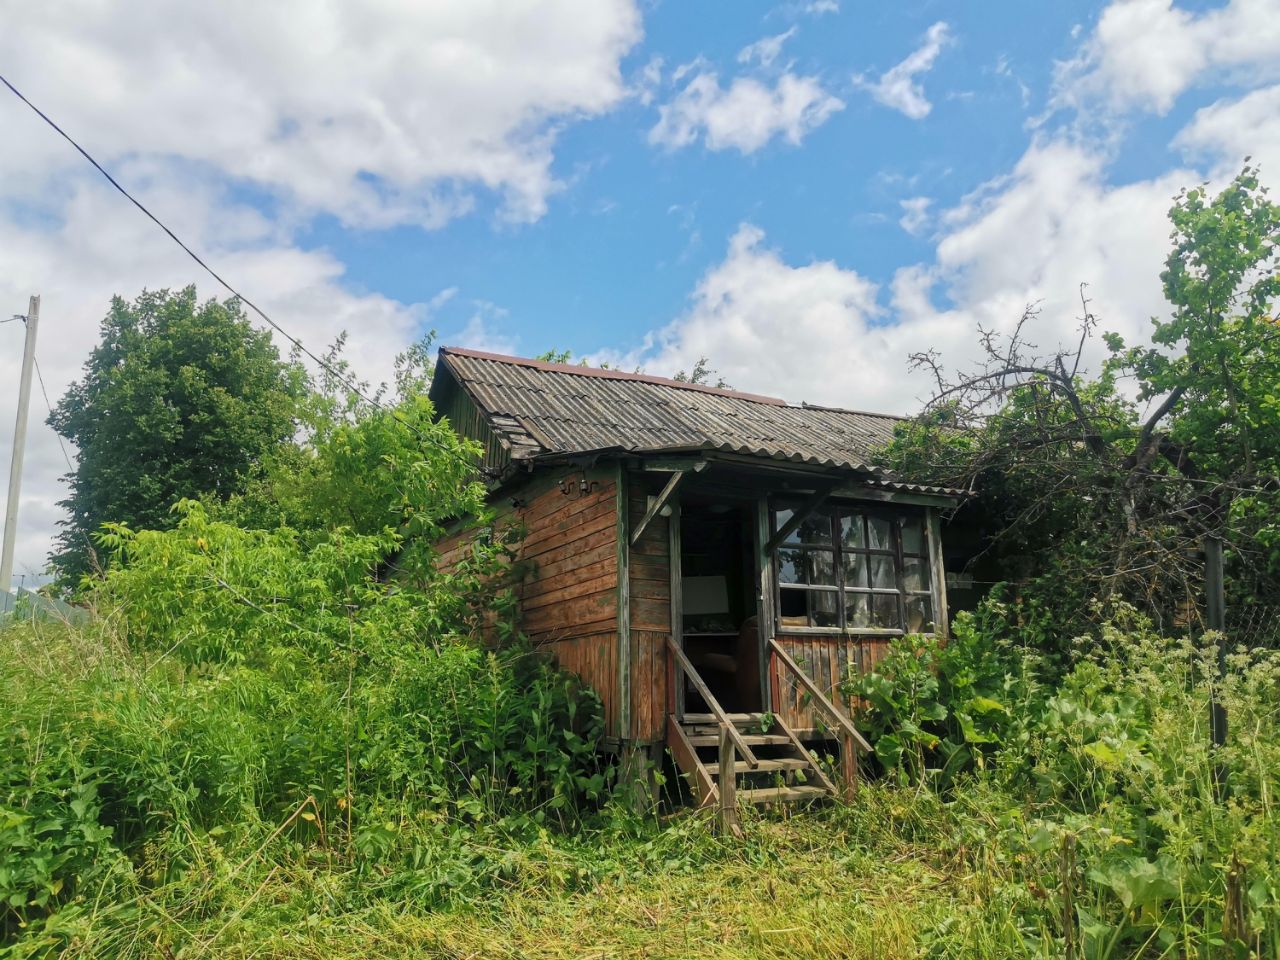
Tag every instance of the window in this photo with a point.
(858, 570)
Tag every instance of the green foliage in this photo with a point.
(1110, 820)
(179, 399)
(1083, 493)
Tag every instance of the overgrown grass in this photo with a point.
(256, 750)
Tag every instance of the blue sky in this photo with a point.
(805, 191)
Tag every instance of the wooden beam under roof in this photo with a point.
(656, 506)
(802, 513)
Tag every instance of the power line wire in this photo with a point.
(49, 407)
(324, 364)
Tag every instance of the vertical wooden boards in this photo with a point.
(933, 530)
(623, 578)
(828, 660)
(649, 572)
(570, 591)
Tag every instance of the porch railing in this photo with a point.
(850, 739)
(727, 727)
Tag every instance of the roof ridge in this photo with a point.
(860, 413)
(601, 373)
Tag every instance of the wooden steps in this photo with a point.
(765, 766)
(752, 739)
(784, 770)
(783, 794)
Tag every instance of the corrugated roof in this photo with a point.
(541, 409)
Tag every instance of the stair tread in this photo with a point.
(710, 718)
(773, 794)
(741, 766)
(751, 739)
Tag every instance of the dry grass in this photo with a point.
(811, 897)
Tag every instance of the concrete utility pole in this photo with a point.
(19, 445)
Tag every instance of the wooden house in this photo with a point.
(712, 563)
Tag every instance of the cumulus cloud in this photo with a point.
(744, 116)
(377, 114)
(898, 87)
(382, 113)
(89, 244)
(915, 214)
(1144, 54)
(1231, 129)
(821, 332)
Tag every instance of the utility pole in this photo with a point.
(19, 444)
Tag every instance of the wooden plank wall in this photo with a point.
(650, 573)
(568, 596)
(827, 660)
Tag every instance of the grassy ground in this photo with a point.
(806, 885)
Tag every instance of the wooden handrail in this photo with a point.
(721, 717)
(845, 724)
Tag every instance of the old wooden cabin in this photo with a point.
(712, 563)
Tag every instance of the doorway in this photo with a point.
(718, 603)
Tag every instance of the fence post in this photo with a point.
(728, 785)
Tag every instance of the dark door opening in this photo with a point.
(719, 628)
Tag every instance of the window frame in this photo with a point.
(840, 552)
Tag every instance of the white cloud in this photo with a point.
(745, 116)
(379, 113)
(88, 243)
(481, 333)
(765, 50)
(819, 332)
(1229, 130)
(383, 113)
(1144, 53)
(915, 214)
(819, 7)
(898, 87)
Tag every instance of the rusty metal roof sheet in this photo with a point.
(541, 409)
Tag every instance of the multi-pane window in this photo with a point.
(856, 570)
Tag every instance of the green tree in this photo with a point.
(1088, 488)
(179, 400)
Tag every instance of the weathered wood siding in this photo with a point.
(649, 568)
(568, 594)
(827, 659)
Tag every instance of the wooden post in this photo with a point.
(728, 785)
(848, 768)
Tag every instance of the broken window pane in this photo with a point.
(884, 611)
(857, 611)
(822, 608)
(879, 534)
(919, 615)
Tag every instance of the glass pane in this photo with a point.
(915, 574)
(816, 529)
(855, 569)
(913, 535)
(884, 610)
(883, 574)
(780, 519)
(878, 534)
(822, 567)
(790, 565)
(857, 611)
(852, 533)
(919, 615)
(822, 608)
